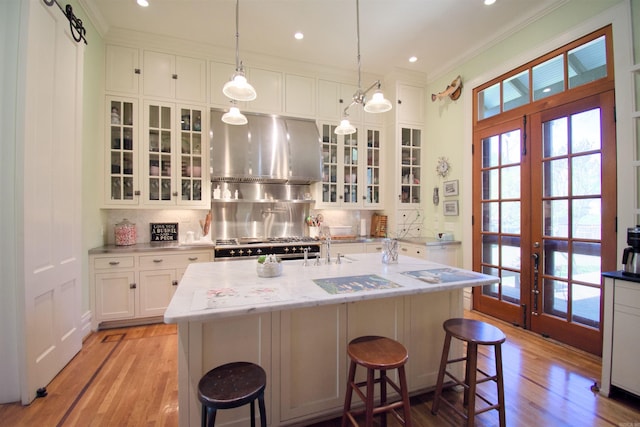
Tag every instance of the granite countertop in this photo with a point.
(149, 247)
(214, 290)
(620, 275)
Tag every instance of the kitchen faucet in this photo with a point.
(306, 255)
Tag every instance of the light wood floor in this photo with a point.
(128, 377)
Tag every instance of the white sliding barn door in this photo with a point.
(51, 197)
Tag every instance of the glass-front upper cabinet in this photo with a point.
(191, 152)
(350, 188)
(159, 152)
(329, 164)
(341, 169)
(175, 152)
(122, 155)
(352, 169)
(410, 168)
(373, 168)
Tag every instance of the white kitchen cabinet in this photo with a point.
(412, 250)
(165, 164)
(349, 178)
(411, 104)
(174, 160)
(247, 338)
(333, 98)
(312, 349)
(219, 74)
(122, 72)
(373, 247)
(444, 253)
(425, 336)
(269, 86)
(345, 248)
(138, 286)
(174, 77)
(409, 167)
(300, 96)
(115, 295)
(121, 154)
(620, 336)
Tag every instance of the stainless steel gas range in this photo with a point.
(286, 248)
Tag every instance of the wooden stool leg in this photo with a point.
(406, 406)
(348, 393)
(383, 396)
(500, 383)
(472, 366)
(263, 411)
(208, 416)
(443, 367)
(370, 393)
(253, 413)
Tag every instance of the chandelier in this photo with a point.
(377, 104)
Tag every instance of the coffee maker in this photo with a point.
(631, 254)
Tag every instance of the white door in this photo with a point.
(51, 209)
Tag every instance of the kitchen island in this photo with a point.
(297, 326)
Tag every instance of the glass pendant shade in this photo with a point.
(239, 89)
(345, 128)
(378, 103)
(234, 117)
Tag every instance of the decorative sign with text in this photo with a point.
(164, 232)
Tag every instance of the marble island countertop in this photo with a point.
(215, 290)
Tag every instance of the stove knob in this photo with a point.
(258, 251)
(232, 252)
(286, 250)
(249, 252)
(294, 249)
(241, 252)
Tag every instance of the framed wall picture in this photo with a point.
(450, 188)
(450, 207)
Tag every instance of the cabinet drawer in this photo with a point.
(627, 294)
(113, 262)
(147, 261)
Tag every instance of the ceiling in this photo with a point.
(441, 33)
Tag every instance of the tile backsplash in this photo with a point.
(188, 220)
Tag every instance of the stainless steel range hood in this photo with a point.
(273, 149)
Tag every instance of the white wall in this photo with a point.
(445, 136)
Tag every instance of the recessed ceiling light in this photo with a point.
(413, 59)
(489, 2)
(298, 35)
(143, 3)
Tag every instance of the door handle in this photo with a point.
(535, 290)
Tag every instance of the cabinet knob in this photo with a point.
(114, 262)
(175, 194)
(137, 71)
(137, 192)
(132, 286)
(174, 283)
(157, 260)
(399, 101)
(174, 76)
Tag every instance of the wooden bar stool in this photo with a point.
(231, 386)
(376, 354)
(474, 333)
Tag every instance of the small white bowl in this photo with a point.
(269, 270)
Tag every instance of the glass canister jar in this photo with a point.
(125, 233)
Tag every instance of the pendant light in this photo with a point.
(238, 88)
(377, 104)
(234, 116)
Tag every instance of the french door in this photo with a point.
(544, 218)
